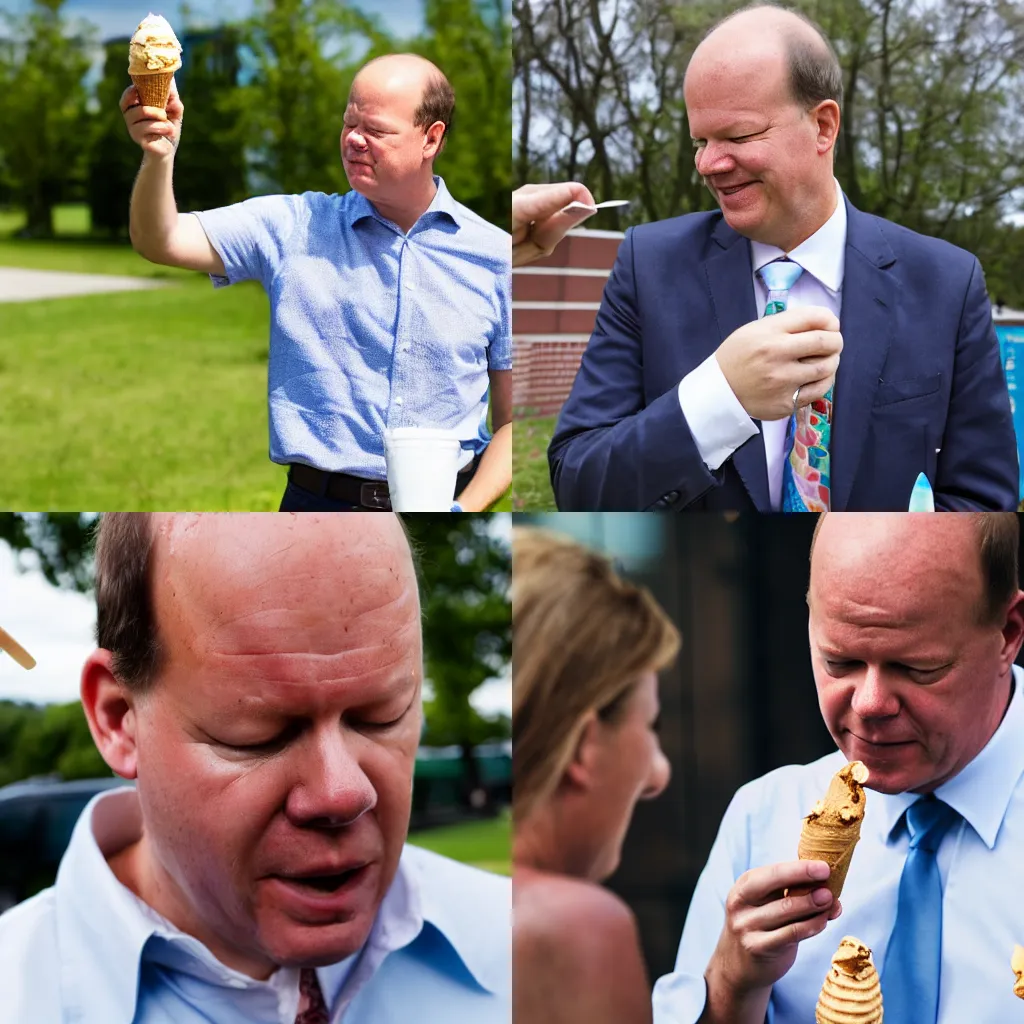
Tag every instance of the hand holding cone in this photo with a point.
(1017, 966)
(832, 829)
(852, 992)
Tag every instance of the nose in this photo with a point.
(330, 789)
(873, 697)
(713, 158)
(657, 780)
(357, 139)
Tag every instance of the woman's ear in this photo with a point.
(582, 769)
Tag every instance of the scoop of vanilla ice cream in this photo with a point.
(154, 47)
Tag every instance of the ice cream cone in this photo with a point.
(832, 829)
(154, 89)
(852, 993)
(1017, 966)
(154, 54)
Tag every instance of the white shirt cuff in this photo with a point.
(718, 422)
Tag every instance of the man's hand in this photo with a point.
(156, 131)
(767, 360)
(537, 226)
(761, 934)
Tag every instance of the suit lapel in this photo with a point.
(867, 321)
(729, 272)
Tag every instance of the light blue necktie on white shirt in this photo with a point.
(911, 975)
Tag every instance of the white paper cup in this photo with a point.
(422, 466)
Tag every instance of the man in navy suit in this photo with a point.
(684, 397)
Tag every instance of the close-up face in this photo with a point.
(910, 680)
(382, 150)
(764, 157)
(275, 752)
(630, 766)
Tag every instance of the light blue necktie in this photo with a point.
(779, 276)
(910, 977)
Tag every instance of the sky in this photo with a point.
(114, 18)
(56, 627)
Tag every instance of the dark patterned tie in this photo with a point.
(316, 1011)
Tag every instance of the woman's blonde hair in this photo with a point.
(582, 637)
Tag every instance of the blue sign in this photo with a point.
(1011, 348)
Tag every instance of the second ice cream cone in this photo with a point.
(1017, 966)
(154, 89)
(852, 992)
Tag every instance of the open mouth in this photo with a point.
(325, 883)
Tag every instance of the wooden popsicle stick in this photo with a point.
(15, 650)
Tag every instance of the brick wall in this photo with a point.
(554, 305)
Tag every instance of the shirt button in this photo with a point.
(398, 400)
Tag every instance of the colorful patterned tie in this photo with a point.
(316, 1009)
(910, 977)
(805, 473)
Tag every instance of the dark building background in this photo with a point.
(739, 702)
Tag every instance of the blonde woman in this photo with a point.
(587, 649)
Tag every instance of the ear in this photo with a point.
(826, 118)
(1013, 632)
(581, 771)
(110, 711)
(432, 140)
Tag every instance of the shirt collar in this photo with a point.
(457, 919)
(442, 205)
(823, 255)
(982, 791)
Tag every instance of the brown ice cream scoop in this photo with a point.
(852, 992)
(832, 829)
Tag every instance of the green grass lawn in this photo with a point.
(531, 484)
(484, 844)
(133, 400)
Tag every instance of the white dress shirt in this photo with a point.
(88, 950)
(981, 861)
(718, 422)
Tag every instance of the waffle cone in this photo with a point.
(852, 993)
(154, 89)
(1017, 966)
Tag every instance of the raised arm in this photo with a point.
(158, 231)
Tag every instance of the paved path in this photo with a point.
(17, 285)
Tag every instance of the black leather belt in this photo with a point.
(356, 490)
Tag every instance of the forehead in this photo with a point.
(725, 86)
(391, 96)
(293, 601)
(894, 574)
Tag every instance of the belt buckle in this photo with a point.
(374, 494)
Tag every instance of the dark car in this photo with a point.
(37, 817)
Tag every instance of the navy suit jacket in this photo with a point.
(920, 385)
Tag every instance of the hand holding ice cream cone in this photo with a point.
(157, 131)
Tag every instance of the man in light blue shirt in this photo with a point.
(257, 872)
(913, 638)
(389, 305)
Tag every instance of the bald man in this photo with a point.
(914, 625)
(259, 677)
(389, 305)
(880, 350)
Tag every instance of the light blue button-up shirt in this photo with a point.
(371, 327)
(981, 862)
(88, 951)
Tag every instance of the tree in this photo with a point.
(43, 142)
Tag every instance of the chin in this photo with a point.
(294, 945)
